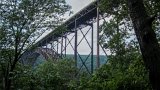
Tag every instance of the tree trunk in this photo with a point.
(7, 81)
(146, 36)
(9, 75)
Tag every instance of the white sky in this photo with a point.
(77, 5)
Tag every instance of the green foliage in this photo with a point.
(25, 20)
(133, 77)
(125, 69)
(47, 76)
(122, 72)
(112, 6)
(60, 31)
(22, 22)
(63, 71)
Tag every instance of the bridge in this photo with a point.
(58, 40)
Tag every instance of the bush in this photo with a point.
(46, 76)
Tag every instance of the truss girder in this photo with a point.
(75, 24)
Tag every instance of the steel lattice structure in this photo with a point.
(84, 18)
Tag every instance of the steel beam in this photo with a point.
(61, 47)
(84, 18)
(57, 45)
(90, 44)
(75, 46)
(51, 44)
(98, 62)
(65, 46)
(92, 48)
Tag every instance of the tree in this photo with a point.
(142, 13)
(124, 69)
(49, 75)
(147, 40)
(23, 21)
(56, 75)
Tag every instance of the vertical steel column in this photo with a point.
(92, 48)
(57, 47)
(65, 50)
(75, 46)
(51, 48)
(46, 50)
(62, 47)
(51, 45)
(55, 54)
(98, 62)
(41, 44)
(54, 50)
(46, 46)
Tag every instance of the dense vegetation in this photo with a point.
(22, 22)
(48, 76)
(131, 35)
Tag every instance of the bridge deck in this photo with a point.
(84, 17)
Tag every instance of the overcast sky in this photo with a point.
(78, 4)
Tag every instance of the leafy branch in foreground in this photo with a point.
(22, 22)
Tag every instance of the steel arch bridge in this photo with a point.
(59, 42)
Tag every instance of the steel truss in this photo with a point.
(59, 43)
